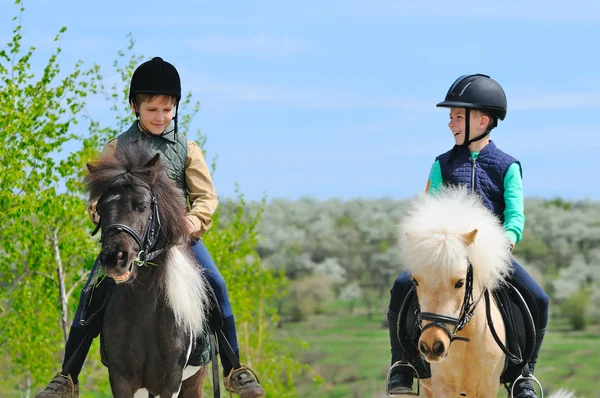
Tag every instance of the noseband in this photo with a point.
(147, 242)
(466, 312)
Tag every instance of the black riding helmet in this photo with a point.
(156, 77)
(476, 91)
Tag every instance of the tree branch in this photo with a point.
(82, 278)
(45, 275)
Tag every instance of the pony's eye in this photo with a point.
(415, 282)
(141, 207)
(459, 284)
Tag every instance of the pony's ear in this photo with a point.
(153, 165)
(469, 237)
(154, 162)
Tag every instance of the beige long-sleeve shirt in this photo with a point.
(202, 196)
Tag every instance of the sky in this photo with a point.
(329, 99)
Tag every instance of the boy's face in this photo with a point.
(477, 124)
(156, 115)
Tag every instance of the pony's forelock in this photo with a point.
(431, 237)
(127, 165)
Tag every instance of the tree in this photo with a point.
(44, 228)
(44, 249)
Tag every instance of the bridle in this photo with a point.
(466, 312)
(146, 242)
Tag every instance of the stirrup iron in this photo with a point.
(402, 364)
(529, 377)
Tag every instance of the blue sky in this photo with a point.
(337, 98)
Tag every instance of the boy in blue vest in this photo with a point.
(476, 103)
(154, 96)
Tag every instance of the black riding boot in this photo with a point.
(64, 384)
(525, 388)
(401, 380)
(76, 350)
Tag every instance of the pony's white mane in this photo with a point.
(431, 237)
(186, 291)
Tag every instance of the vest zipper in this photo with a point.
(473, 174)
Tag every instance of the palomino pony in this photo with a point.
(158, 306)
(456, 250)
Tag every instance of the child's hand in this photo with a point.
(93, 213)
(191, 226)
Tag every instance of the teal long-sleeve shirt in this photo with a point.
(514, 212)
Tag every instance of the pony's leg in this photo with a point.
(426, 394)
(192, 386)
(120, 386)
(425, 389)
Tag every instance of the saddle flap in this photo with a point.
(409, 333)
(520, 329)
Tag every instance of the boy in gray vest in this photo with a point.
(476, 104)
(154, 96)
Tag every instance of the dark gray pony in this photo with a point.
(160, 302)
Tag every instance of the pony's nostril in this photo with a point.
(423, 347)
(438, 348)
(122, 259)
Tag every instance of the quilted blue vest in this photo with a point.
(484, 175)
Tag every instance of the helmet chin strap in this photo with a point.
(175, 121)
(467, 141)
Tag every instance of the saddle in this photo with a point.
(518, 322)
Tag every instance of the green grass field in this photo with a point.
(351, 354)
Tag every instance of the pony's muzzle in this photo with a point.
(434, 345)
(424, 348)
(116, 264)
(114, 258)
(435, 354)
(438, 348)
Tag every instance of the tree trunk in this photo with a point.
(28, 386)
(61, 284)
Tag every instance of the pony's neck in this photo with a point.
(147, 275)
